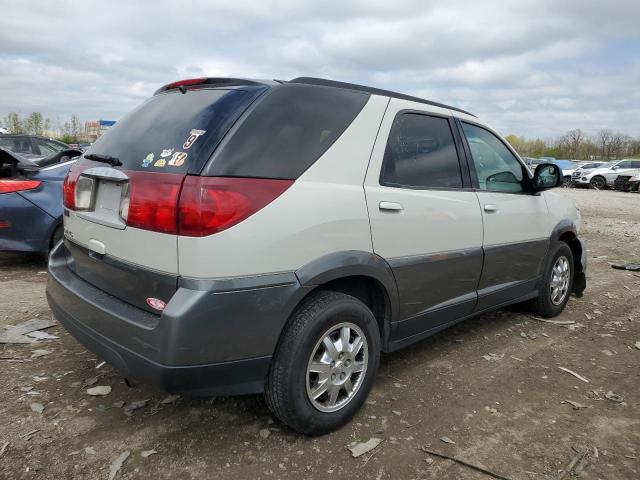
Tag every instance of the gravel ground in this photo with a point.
(491, 384)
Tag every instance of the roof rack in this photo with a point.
(373, 91)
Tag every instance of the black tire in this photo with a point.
(286, 385)
(544, 305)
(598, 182)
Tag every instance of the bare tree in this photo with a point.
(603, 140)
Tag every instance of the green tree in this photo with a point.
(33, 124)
(13, 123)
(66, 138)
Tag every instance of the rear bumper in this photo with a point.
(208, 341)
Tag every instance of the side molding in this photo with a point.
(351, 263)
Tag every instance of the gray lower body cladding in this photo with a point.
(213, 338)
(438, 290)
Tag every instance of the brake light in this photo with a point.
(209, 205)
(69, 186)
(185, 83)
(152, 201)
(193, 206)
(11, 186)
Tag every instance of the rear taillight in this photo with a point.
(11, 186)
(69, 185)
(211, 204)
(152, 201)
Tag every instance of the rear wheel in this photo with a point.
(325, 363)
(598, 182)
(556, 283)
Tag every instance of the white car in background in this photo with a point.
(582, 166)
(603, 176)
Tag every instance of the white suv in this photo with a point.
(235, 237)
(603, 176)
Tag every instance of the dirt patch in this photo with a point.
(505, 413)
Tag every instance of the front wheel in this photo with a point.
(325, 363)
(556, 283)
(598, 182)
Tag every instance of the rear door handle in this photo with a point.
(489, 208)
(390, 206)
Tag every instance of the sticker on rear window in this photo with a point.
(167, 152)
(148, 160)
(193, 136)
(178, 159)
(160, 163)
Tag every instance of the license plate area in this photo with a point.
(105, 201)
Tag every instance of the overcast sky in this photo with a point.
(534, 68)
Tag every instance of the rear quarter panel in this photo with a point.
(324, 211)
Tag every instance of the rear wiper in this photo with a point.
(113, 161)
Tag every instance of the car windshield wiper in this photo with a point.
(113, 161)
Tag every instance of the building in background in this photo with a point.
(94, 129)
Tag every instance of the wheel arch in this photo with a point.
(566, 232)
(363, 275)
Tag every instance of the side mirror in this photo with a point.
(615, 167)
(547, 175)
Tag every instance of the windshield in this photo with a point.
(175, 132)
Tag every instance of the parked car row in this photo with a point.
(620, 174)
(605, 175)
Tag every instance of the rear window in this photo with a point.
(291, 127)
(175, 132)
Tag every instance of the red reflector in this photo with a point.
(153, 201)
(4, 224)
(211, 204)
(186, 83)
(10, 186)
(156, 303)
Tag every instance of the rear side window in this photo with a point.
(291, 127)
(16, 144)
(421, 153)
(48, 148)
(175, 132)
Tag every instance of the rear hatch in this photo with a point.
(121, 198)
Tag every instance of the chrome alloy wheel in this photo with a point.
(560, 277)
(337, 367)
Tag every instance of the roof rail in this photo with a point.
(373, 91)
